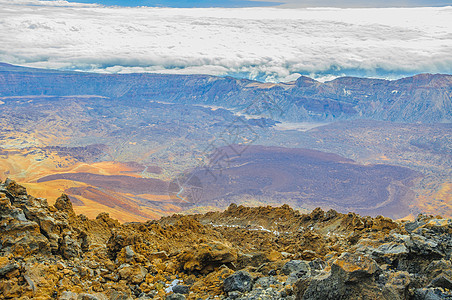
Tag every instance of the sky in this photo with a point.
(266, 43)
(182, 3)
(281, 3)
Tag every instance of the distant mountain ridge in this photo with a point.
(423, 98)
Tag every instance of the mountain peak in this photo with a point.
(305, 81)
(427, 80)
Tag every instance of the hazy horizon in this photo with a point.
(261, 43)
(277, 3)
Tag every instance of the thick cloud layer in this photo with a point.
(265, 43)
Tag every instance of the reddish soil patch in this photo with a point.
(118, 183)
(75, 201)
(104, 198)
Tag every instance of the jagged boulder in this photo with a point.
(438, 267)
(64, 204)
(354, 267)
(240, 281)
(31, 226)
(352, 276)
(430, 237)
(206, 257)
(442, 281)
(135, 274)
(295, 266)
(18, 234)
(38, 210)
(432, 294)
(181, 289)
(7, 266)
(16, 191)
(175, 296)
(296, 269)
(397, 286)
(120, 239)
(69, 247)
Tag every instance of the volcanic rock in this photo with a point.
(240, 281)
(49, 252)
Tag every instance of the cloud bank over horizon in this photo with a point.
(279, 3)
(268, 44)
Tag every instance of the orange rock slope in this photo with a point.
(30, 164)
(242, 253)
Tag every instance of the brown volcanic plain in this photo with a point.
(115, 146)
(307, 178)
(300, 177)
(104, 176)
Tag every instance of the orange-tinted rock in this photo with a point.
(48, 251)
(355, 266)
(64, 204)
(206, 257)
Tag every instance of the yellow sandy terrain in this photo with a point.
(438, 202)
(28, 165)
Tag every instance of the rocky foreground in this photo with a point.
(242, 253)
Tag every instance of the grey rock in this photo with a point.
(442, 282)
(17, 229)
(391, 249)
(19, 215)
(181, 289)
(411, 226)
(30, 283)
(317, 264)
(8, 268)
(160, 254)
(422, 245)
(175, 297)
(352, 276)
(272, 272)
(265, 282)
(260, 294)
(240, 281)
(70, 247)
(129, 253)
(438, 267)
(431, 294)
(296, 266)
(234, 295)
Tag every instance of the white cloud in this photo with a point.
(276, 44)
